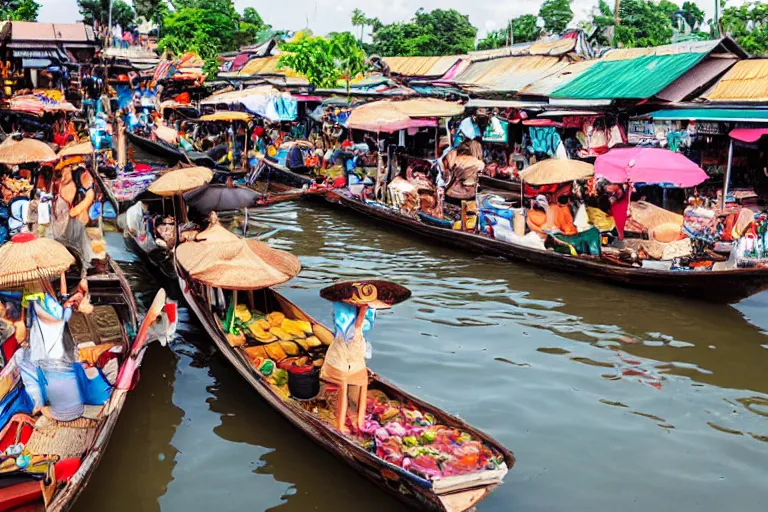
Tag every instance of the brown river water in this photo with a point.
(611, 399)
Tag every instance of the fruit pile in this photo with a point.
(275, 337)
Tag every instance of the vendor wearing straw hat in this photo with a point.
(354, 307)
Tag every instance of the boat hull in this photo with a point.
(275, 173)
(409, 488)
(168, 153)
(727, 286)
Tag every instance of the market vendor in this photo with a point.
(354, 311)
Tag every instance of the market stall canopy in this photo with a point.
(220, 197)
(227, 116)
(749, 135)
(221, 259)
(375, 294)
(391, 116)
(27, 258)
(78, 149)
(265, 101)
(734, 115)
(554, 170)
(745, 82)
(654, 166)
(181, 180)
(16, 150)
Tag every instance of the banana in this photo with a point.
(292, 327)
(275, 318)
(313, 341)
(281, 333)
(322, 332)
(290, 348)
(275, 352)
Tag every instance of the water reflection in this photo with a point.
(610, 398)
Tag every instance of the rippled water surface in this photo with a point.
(611, 399)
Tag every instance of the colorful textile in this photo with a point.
(544, 140)
(587, 242)
(700, 224)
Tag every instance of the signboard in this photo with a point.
(641, 131)
(500, 134)
(708, 128)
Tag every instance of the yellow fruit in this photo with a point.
(290, 348)
(275, 318)
(318, 362)
(275, 352)
(236, 340)
(313, 341)
(304, 326)
(281, 333)
(322, 332)
(261, 335)
(302, 342)
(242, 313)
(292, 327)
(264, 325)
(254, 353)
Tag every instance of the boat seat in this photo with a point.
(101, 326)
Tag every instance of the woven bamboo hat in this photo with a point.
(16, 150)
(222, 259)
(77, 149)
(554, 170)
(375, 294)
(181, 180)
(27, 258)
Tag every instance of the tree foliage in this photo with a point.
(557, 14)
(324, 61)
(438, 32)
(748, 24)
(98, 11)
(19, 10)
(524, 29)
(152, 10)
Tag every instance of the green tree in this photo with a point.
(748, 24)
(19, 10)
(98, 11)
(644, 23)
(359, 19)
(524, 29)
(557, 14)
(600, 23)
(692, 15)
(323, 61)
(250, 28)
(438, 32)
(152, 10)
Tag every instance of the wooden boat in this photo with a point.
(448, 494)
(169, 153)
(724, 286)
(508, 189)
(114, 316)
(272, 172)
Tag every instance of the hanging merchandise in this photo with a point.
(543, 140)
(497, 131)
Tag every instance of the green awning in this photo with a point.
(638, 78)
(733, 115)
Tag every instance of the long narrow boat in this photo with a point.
(274, 173)
(168, 153)
(723, 286)
(457, 493)
(114, 318)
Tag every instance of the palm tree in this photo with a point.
(359, 19)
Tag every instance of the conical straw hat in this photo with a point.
(78, 149)
(554, 170)
(22, 151)
(224, 260)
(27, 258)
(181, 180)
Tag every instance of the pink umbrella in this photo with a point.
(648, 165)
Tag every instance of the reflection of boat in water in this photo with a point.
(452, 491)
(726, 286)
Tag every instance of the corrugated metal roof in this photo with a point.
(544, 86)
(634, 78)
(667, 49)
(695, 80)
(422, 66)
(543, 47)
(265, 66)
(746, 81)
(509, 74)
(61, 32)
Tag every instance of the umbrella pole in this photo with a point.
(63, 284)
(245, 222)
(727, 179)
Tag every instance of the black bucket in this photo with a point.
(304, 386)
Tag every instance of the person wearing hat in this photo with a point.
(354, 311)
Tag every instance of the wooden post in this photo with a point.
(727, 179)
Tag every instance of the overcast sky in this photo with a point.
(323, 16)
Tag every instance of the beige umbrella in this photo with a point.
(554, 170)
(221, 259)
(27, 258)
(15, 151)
(226, 116)
(181, 180)
(77, 149)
